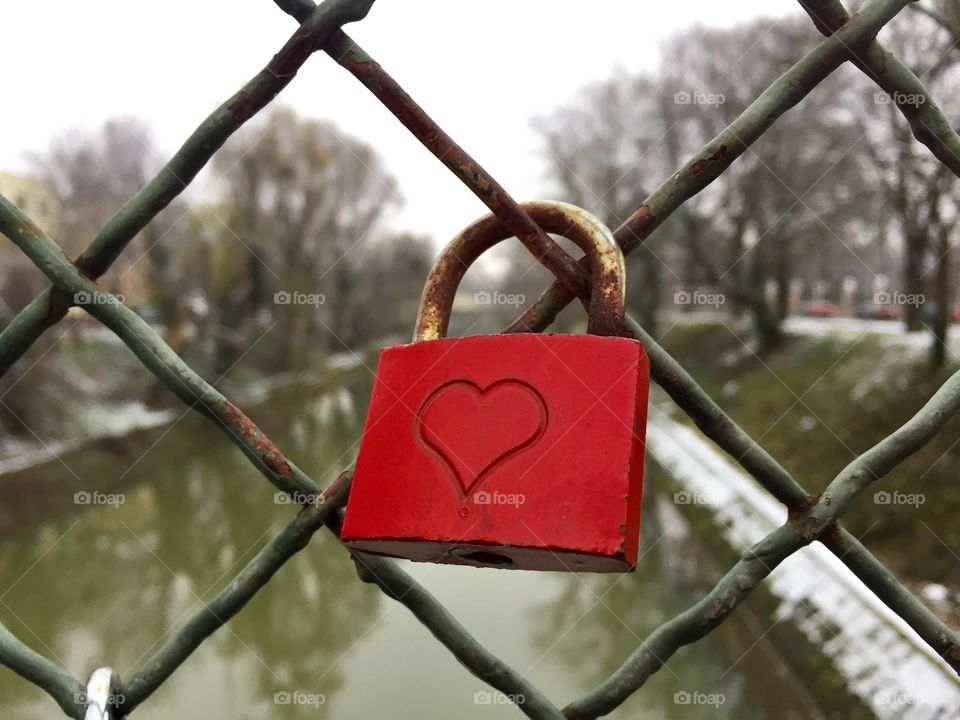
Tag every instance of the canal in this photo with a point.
(165, 523)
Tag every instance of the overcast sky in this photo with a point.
(484, 70)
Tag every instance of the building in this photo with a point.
(36, 198)
(19, 279)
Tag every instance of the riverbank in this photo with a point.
(105, 583)
(831, 630)
(823, 399)
(54, 476)
(788, 636)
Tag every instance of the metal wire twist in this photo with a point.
(848, 39)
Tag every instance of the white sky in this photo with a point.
(68, 63)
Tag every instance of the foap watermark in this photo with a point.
(899, 98)
(898, 699)
(496, 497)
(485, 697)
(298, 697)
(698, 297)
(893, 297)
(299, 298)
(84, 497)
(114, 700)
(498, 298)
(685, 497)
(885, 497)
(696, 697)
(698, 97)
(84, 298)
(298, 498)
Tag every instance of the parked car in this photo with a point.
(930, 313)
(879, 311)
(820, 308)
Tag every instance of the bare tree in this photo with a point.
(302, 202)
(95, 172)
(621, 137)
(946, 14)
(922, 200)
(604, 151)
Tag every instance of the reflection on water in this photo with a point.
(104, 584)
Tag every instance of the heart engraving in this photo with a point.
(472, 430)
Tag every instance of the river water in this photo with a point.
(102, 584)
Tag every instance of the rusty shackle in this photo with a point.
(608, 292)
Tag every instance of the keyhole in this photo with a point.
(482, 557)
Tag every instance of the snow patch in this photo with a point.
(883, 660)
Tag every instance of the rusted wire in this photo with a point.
(849, 39)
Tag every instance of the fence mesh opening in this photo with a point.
(848, 38)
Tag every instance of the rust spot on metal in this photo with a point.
(301, 45)
(720, 607)
(641, 220)
(838, 21)
(268, 452)
(343, 481)
(636, 228)
(58, 303)
(827, 17)
(607, 318)
(700, 165)
(796, 510)
(242, 107)
(811, 529)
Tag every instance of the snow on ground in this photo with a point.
(117, 420)
(884, 661)
(890, 331)
(100, 422)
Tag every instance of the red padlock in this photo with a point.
(513, 451)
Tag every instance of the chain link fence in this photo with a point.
(848, 38)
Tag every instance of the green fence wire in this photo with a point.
(810, 519)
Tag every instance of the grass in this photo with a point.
(807, 661)
(817, 403)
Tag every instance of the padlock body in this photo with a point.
(517, 451)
